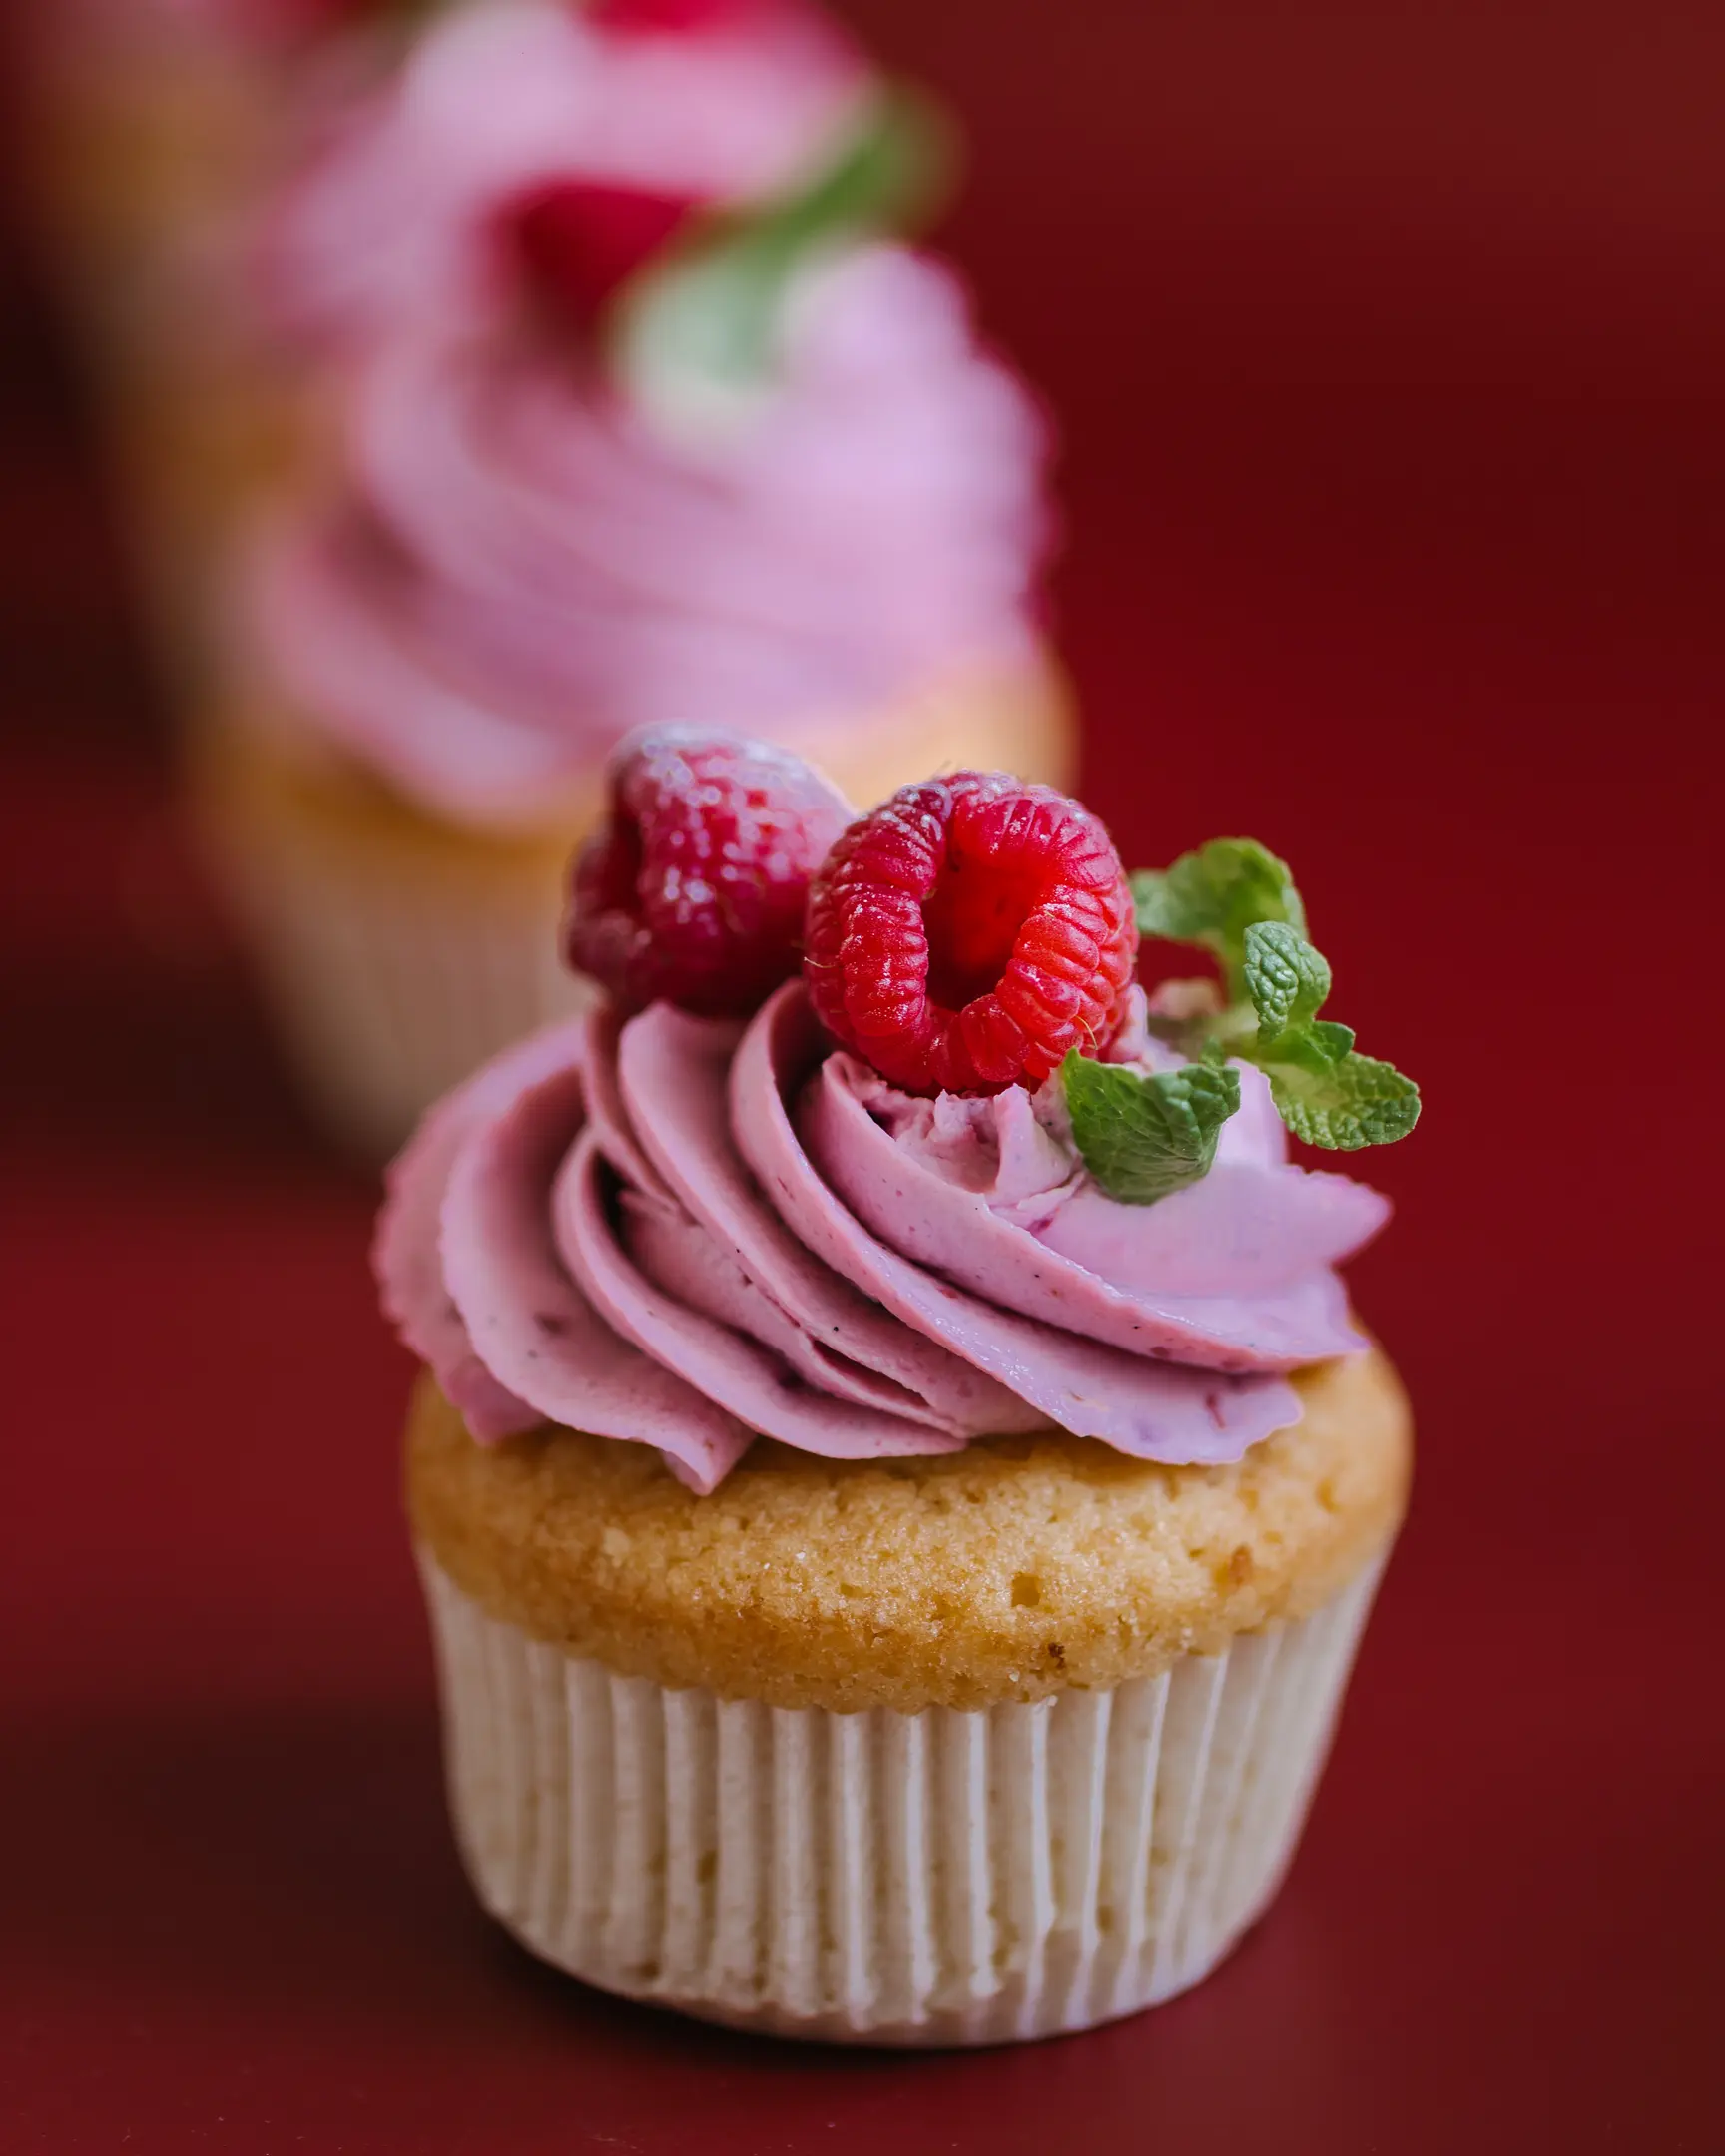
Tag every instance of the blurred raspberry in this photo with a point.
(679, 18)
(693, 888)
(968, 932)
(578, 241)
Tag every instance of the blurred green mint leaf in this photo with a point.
(697, 332)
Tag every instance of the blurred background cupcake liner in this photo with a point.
(391, 950)
(944, 1878)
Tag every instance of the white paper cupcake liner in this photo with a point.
(938, 1879)
(389, 982)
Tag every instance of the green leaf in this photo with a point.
(1284, 978)
(1143, 1137)
(1234, 898)
(1354, 1101)
(883, 178)
(697, 333)
(1213, 896)
(1325, 1093)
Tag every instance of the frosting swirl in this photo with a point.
(387, 217)
(685, 1233)
(521, 566)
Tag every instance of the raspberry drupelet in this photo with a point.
(693, 887)
(576, 242)
(969, 932)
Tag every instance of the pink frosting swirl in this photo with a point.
(685, 1233)
(523, 561)
(521, 566)
(388, 216)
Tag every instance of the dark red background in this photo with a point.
(1389, 348)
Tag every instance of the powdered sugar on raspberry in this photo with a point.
(693, 889)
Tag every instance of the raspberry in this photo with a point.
(693, 888)
(579, 241)
(968, 932)
(676, 18)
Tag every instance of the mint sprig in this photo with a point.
(1325, 1091)
(1143, 1137)
(1212, 896)
(697, 334)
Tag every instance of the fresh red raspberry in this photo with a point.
(677, 18)
(577, 241)
(968, 932)
(693, 888)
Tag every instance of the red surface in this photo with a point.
(1388, 348)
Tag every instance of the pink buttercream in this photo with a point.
(390, 214)
(525, 558)
(521, 568)
(684, 1234)
(1232, 1271)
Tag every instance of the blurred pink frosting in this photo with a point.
(520, 565)
(685, 1233)
(523, 559)
(389, 215)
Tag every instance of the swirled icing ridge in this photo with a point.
(685, 1233)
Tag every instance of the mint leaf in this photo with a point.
(1144, 1137)
(695, 335)
(1284, 978)
(883, 178)
(1326, 1093)
(1234, 898)
(1355, 1101)
(1213, 896)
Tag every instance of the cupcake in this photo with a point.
(673, 452)
(896, 1481)
(154, 127)
(389, 210)
(390, 196)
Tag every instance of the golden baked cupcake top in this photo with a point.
(1015, 1569)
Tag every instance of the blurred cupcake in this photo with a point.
(146, 119)
(154, 128)
(381, 201)
(741, 463)
(390, 211)
(898, 1485)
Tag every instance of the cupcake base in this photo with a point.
(400, 951)
(392, 964)
(942, 1878)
